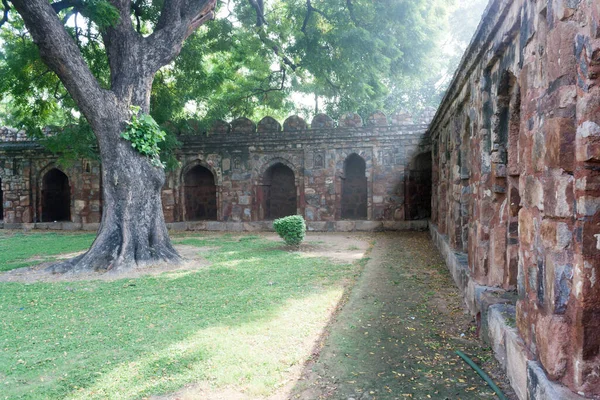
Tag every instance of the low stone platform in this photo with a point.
(258, 226)
(494, 310)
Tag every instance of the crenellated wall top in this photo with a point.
(294, 124)
(297, 124)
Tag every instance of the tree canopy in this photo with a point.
(248, 62)
(257, 58)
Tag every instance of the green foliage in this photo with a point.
(145, 135)
(291, 229)
(101, 12)
(347, 55)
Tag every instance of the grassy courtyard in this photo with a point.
(24, 249)
(232, 324)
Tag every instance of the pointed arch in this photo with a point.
(55, 196)
(199, 192)
(354, 202)
(279, 191)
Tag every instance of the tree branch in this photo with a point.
(350, 7)
(309, 10)
(258, 91)
(178, 20)
(61, 54)
(6, 10)
(273, 46)
(260, 12)
(136, 6)
(64, 4)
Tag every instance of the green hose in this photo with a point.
(485, 377)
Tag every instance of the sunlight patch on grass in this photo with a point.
(254, 357)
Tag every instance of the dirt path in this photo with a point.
(396, 336)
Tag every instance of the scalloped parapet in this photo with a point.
(322, 121)
(13, 135)
(294, 124)
(243, 125)
(401, 117)
(351, 120)
(268, 124)
(220, 127)
(378, 118)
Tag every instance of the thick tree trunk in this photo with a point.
(133, 231)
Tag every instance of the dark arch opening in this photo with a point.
(508, 131)
(56, 197)
(354, 188)
(279, 192)
(200, 194)
(418, 188)
(1, 202)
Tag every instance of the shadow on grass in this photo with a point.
(235, 323)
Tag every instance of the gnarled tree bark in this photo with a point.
(133, 231)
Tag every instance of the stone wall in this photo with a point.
(23, 166)
(516, 181)
(253, 172)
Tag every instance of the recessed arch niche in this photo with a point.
(354, 188)
(279, 192)
(56, 196)
(200, 194)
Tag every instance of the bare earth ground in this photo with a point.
(37, 273)
(393, 336)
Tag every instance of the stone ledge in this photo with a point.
(540, 388)
(496, 317)
(255, 226)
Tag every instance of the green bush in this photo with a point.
(291, 229)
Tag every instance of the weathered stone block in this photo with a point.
(539, 387)
(345, 226)
(552, 340)
(368, 226)
(588, 141)
(533, 193)
(560, 136)
(559, 196)
(516, 363)
(496, 332)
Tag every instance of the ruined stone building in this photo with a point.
(240, 176)
(508, 172)
(516, 190)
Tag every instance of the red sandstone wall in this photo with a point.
(516, 148)
(239, 155)
(22, 171)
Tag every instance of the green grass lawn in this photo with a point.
(244, 322)
(24, 249)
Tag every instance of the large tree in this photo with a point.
(133, 230)
(98, 58)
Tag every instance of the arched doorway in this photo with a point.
(56, 197)
(354, 188)
(417, 193)
(279, 192)
(200, 194)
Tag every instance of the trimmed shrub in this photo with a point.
(291, 229)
